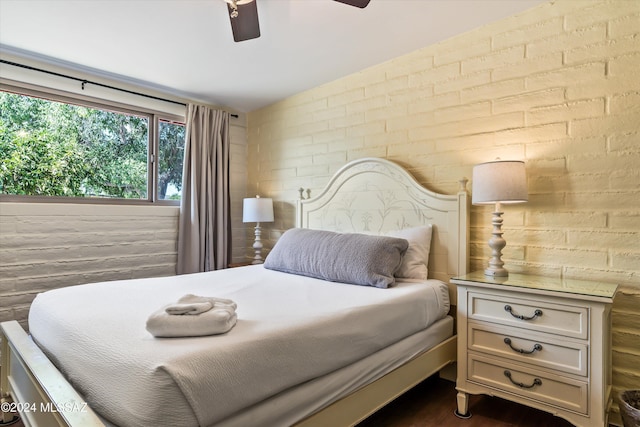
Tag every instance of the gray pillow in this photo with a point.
(349, 258)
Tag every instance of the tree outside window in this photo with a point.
(51, 148)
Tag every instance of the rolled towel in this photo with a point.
(216, 302)
(191, 309)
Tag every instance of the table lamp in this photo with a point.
(499, 182)
(257, 210)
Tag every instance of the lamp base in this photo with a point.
(496, 243)
(496, 272)
(257, 246)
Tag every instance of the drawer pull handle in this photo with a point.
(536, 347)
(536, 381)
(536, 313)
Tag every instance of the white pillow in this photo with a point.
(416, 259)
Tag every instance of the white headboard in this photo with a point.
(374, 196)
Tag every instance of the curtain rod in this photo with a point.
(85, 82)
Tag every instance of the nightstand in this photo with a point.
(539, 341)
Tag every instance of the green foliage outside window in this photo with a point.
(33, 164)
(171, 158)
(57, 149)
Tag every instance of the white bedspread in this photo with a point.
(290, 329)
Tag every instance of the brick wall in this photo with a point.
(238, 187)
(55, 245)
(557, 86)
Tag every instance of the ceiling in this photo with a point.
(185, 47)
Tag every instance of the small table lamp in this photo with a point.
(257, 210)
(501, 181)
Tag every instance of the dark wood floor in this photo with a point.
(431, 404)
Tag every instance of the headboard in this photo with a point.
(375, 196)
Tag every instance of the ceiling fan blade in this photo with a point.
(357, 3)
(245, 26)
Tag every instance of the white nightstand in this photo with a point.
(539, 341)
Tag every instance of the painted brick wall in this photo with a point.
(557, 86)
(47, 246)
(238, 186)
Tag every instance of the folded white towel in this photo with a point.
(218, 319)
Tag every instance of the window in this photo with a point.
(54, 146)
(170, 159)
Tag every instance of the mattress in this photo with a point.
(297, 403)
(291, 330)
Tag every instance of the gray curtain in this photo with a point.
(204, 239)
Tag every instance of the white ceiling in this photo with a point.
(185, 47)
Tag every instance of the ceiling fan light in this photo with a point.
(243, 15)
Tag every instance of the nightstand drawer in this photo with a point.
(537, 385)
(538, 315)
(539, 350)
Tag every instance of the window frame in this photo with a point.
(154, 117)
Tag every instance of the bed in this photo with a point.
(305, 350)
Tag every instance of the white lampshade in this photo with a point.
(257, 210)
(501, 181)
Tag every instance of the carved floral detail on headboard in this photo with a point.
(370, 209)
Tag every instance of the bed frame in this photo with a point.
(368, 195)
(375, 196)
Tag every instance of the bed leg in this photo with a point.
(6, 417)
(463, 406)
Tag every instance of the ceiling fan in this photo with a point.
(244, 17)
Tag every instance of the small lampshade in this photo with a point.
(257, 209)
(501, 181)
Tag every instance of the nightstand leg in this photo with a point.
(463, 405)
